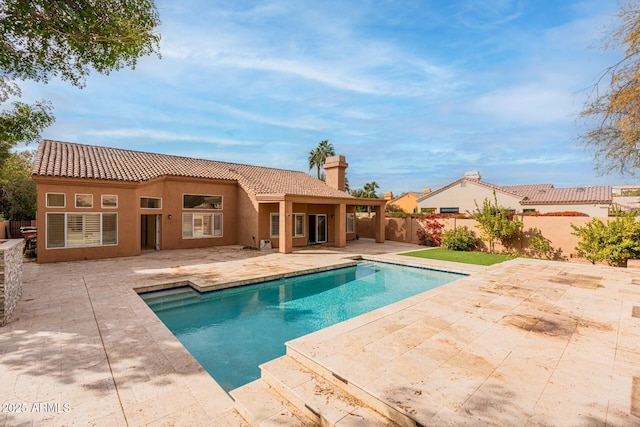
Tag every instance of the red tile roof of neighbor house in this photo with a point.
(535, 194)
(597, 194)
(70, 160)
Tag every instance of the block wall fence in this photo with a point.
(557, 229)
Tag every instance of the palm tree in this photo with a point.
(367, 191)
(318, 156)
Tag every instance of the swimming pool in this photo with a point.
(232, 331)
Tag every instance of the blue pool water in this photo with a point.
(232, 331)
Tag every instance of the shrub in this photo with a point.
(430, 231)
(615, 242)
(496, 223)
(540, 245)
(459, 239)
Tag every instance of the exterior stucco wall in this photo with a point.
(170, 190)
(266, 209)
(407, 202)
(10, 277)
(557, 230)
(463, 195)
(593, 209)
(128, 221)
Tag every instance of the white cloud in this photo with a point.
(166, 136)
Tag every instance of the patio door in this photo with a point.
(150, 232)
(317, 228)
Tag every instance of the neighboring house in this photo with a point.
(98, 202)
(462, 195)
(408, 201)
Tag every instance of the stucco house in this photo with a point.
(408, 201)
(98, 202)
(461, 196)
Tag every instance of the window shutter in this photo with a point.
(91, 230)
(187, 226)
(217, 225)
(275, 225)
(109, 229)
(55, 230)
(206, 225)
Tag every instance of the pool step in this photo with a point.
(341, 380)
(318, 398)
(261, 405)
(171, 298)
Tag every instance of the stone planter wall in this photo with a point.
(10, 277)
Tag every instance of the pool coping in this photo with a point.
(353, 260)
(81, 334)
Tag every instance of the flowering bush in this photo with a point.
(430, 231)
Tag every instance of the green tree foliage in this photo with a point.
(495, 222)
(368, 191)
(612, 115)
(614, 242)
(540, 245)
(459, 239)
(17, 189)
(319, 155)
(44, 39)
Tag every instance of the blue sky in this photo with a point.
(413, 92)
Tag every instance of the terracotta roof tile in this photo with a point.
(533, 194)
(70, 160)
(596, 194)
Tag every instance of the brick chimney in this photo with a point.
(388, 195)
(335, 168)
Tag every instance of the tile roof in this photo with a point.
(534, 194)
(596, 194)
(71, 160)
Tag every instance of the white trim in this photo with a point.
(150, 197)
(65, 229)
(108, 207)
(213, 216)
(206, 195)
(351, 219)
(75, 198)
(304, 224)
(272, 215)
(64, 200)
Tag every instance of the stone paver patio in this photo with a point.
(525, 342)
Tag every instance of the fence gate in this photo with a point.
(14, 228)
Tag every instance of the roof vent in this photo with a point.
(580, 189)
(472, 175)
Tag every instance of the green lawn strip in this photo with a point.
(467, 257)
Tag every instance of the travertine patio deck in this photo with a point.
(521, 343)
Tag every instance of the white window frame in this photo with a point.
(150, 197)
(297, 215)
(204, 195)
(351, 220)
(102, 205)
(64, 200)
(75, 197)
(275, 215)
(66, 229)
(190, 218)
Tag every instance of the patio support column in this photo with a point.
(379, 224)
(286, 227)
(340, 225)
